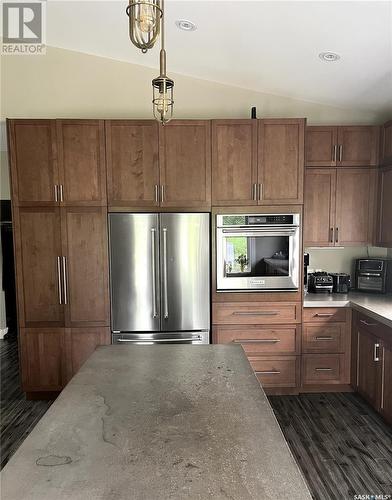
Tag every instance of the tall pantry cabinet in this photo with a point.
(60, 234)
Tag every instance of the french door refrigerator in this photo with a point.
(160, 277)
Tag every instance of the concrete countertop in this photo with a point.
(376, 306)
(157, 422)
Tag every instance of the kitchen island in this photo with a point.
(157, 422)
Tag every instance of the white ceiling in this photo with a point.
(268, 46)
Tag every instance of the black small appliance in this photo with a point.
(373, 275)
(341, 282)
(320, 282)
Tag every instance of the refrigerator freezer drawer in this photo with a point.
(202, 337)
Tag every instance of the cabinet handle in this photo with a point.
(324, 338)
(340, 152)
(59, 280)
(364, 322)
(382, 378)
(156, 193)
(335, 152)
(337, 235)
(267, 372)
(256, 341)
(332, 235)
(376, 353)
(255, 313)
(260, 192)
(162, 193)
(254, 192)
(61, 193)
(56, 193)
(323, 369)
(65, 280)
(323, 315)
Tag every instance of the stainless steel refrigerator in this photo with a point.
(160, 277)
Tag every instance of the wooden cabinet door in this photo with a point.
(386, 144)
(368, 369)
(32, 149)
(81, 156)
(281, 161)
(384, 230)
(42, 359)
(321, 146)
(85, 248)
(37, 250)
(358, 146)
(234, 162)
(386, 381)
(132, 163)
(185, 163)
(319, 207)
(80, 343)
(354, 207)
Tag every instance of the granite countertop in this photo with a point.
(376, 306)
(157, 422)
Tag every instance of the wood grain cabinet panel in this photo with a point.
(386, 381)
(384, 223)
(234, 162)
(324, 314)
(324, 338)
(281, 161)
(34, 171)
(38, 247)
(84, 237)
(368, 367)
(185, 163)
(81, 159)
(42, 359)
(319, 207)
(321, 146)
(386, 143)
(132, 163)
(358, 146)
(324, 369)
(276, 371)
(257, 313)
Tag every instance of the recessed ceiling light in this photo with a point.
(329, 56)
(185, 25)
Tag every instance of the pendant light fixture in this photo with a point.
(144, 22)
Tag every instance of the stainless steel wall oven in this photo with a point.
(258, 252)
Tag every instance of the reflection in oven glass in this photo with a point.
(257, 256)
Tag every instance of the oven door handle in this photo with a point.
(265, 232)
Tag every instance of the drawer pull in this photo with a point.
(267, 372)
(364, 322)
(323, 315)
(324, 338)
(256, 341)
(323, 369)
(255, 313)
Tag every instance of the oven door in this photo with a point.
(258, 259)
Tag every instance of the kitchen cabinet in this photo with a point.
(132, 163)
(384, 220)
(281, 161)
(81, 162)
(34, 169)
(339, 208)
(257, 162)
(344, 146)
(386, 379)
(234, 161)
(386, 143)
(185, 164)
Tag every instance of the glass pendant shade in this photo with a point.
(144, 22)
(162, 101)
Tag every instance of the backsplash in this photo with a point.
(342, 260)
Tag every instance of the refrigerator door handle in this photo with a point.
(165, 304)
(154, 282)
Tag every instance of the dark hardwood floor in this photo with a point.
(343, 447)
(17, 416)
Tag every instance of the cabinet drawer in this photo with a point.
(333, 314)
(256, 340)
(275, 371)
(257, 313)
(327, 338)
(322, 369)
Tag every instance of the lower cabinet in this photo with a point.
(49, 357)
(386, 380)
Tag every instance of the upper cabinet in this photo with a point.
(386, 143)
(81, 161)
(384, 226)
(281, 161)
(34, 172)
(257, 162)
(234, 160)
(353, 146)
(185, 163)
(57, 162)
(132, 163)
